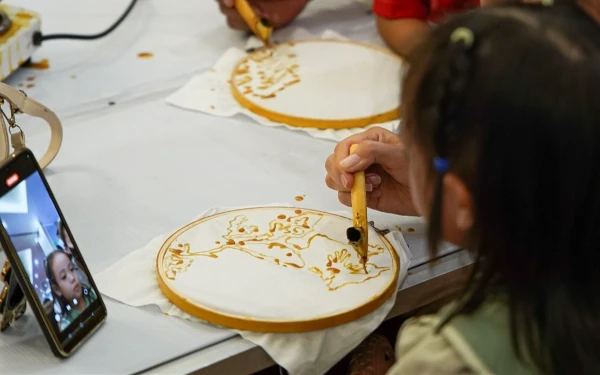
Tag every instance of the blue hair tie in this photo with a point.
(440, 164)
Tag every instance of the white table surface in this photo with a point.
(129, 172)
(186, 36)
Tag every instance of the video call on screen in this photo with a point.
(46, 251)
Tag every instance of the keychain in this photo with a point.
(18, 102)
(12, 299)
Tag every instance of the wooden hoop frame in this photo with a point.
(305, 122)
(248, 324)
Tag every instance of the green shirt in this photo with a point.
(70, 315)
(478, 343)
(486, 334)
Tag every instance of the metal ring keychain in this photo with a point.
(12, 299)
(20, 103)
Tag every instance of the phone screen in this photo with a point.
(46, 250)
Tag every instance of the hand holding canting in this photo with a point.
(381, 154)
(278, 12)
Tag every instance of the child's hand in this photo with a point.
(380, 153)
(279, 12)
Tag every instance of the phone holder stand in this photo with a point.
(12, 299)
(19, 103)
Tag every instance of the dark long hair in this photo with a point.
(513, 107)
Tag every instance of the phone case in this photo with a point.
(18, 272)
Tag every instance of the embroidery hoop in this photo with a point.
(313, 122)
(243, 322)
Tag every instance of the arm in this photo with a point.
(403, 34)
(401, 23)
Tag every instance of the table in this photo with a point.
(130, 171)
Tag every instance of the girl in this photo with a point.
(69, 247)
(502, 129)
(67, 288)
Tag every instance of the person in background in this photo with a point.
(279, 12)
(500, 154)
(401, 23)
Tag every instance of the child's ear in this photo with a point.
(458, 208)
(56, 290)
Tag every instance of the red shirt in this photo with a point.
(428, 10)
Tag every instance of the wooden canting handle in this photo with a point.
(261, 28)
(359, 233)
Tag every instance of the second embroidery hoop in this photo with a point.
(324, 84)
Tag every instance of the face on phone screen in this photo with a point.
(47, 252)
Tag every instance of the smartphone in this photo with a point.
(45, 258)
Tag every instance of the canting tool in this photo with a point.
(358, 233)
(262, 28)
